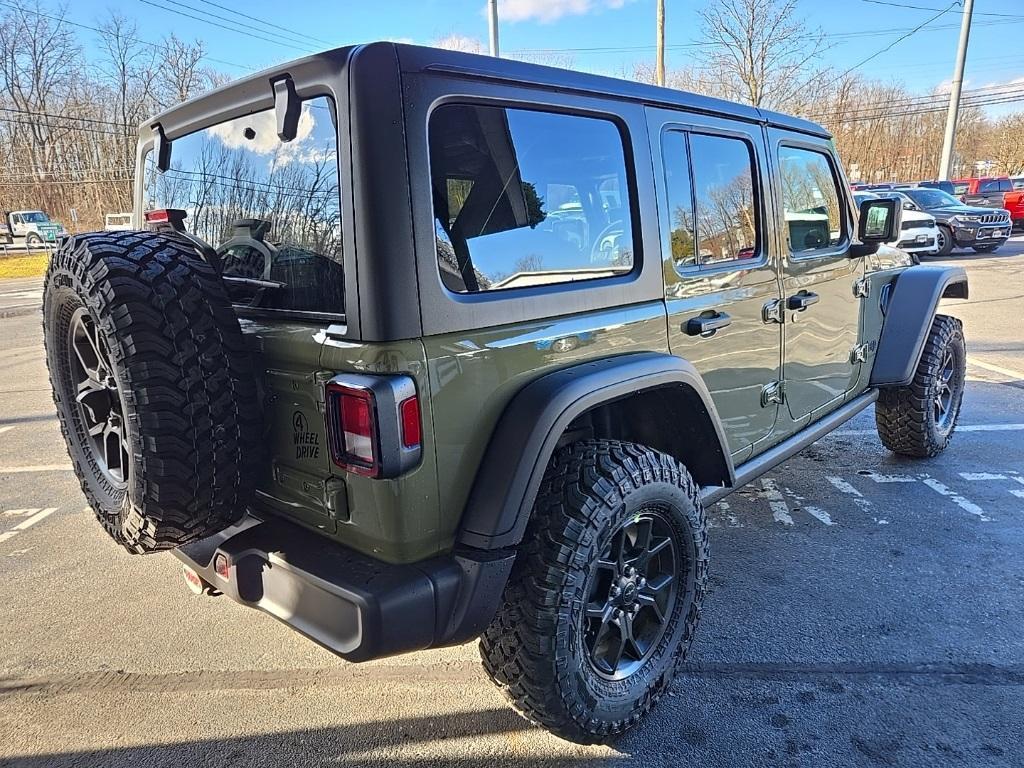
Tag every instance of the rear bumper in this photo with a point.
(358, 607)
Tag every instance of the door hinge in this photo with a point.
(773, 312)
(862, 288)
(773, 392)
(862, 352)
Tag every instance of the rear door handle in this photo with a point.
(802, 301)
(706, 324)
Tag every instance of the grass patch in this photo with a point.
(31, 265)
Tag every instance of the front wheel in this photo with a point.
(919, 419)
(944, 241)
(605, 597)
(33, 240)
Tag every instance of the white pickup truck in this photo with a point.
(32, 228)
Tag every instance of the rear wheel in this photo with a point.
(153, 386)
(606, 592)
(920, 418)
(944, 241)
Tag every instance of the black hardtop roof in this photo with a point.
(416, 58)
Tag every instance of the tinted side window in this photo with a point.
(810, 200)
(271, 209)
(988, 186)
(723, 182)
(679, 191)
(525, 198)
(1006, 185)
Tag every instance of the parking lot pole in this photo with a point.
(949, 140)
(492, 25)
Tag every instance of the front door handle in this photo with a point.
(706, 324)
(802, 301)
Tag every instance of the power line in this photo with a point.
(253, 35)
(140, 41)
(264, 22)
(925, 8)
(97, 121)
(889, 46)
(298, 38)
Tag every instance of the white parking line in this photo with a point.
(960, 501)
(844, 486)
(890, 478)
(981, 476)
(7, 428)
(996, 369)
(820, 514)
(1018, 494)
(780, 510)
(28, 523)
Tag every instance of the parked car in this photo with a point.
(960, 225)
(918, 233)
(34, 228)
(117, 222)
(984, 192)
(377, 455)
(945, 186)
(1018, 182)
(1014, 202)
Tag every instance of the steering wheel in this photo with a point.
(604, 243)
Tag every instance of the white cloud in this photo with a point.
(456, 42)
(264, 124)
(547, 11)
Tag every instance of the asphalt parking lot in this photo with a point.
(864, 610)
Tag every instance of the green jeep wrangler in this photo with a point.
(414, 346)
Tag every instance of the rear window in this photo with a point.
(525, 198)
(270, 209)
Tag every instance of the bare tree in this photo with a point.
(180, 74)
(760, 47)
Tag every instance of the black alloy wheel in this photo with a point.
(631, 595)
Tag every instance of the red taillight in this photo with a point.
(410, 413)
(165, 218)
(354, 433)
(158, 216)
(221, 566)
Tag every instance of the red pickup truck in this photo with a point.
(1014, 203)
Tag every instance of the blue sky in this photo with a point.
(921, 62)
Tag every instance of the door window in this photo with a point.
(712, 202)
(526, 198)
(810, 201)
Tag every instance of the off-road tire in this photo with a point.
(533, 649)
(906, 416)
(185, 386)
(945, 241)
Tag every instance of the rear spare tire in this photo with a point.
(155, 392)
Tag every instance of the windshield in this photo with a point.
(860, 197)
(35, 217)
(932, 198)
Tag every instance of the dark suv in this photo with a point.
(961, 225)
(413, 347)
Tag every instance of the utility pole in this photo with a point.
(492, 25)
(659, 70)
(949, 139)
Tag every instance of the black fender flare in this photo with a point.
(503, 493)
(909, 312)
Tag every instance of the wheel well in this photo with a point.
(671, 419)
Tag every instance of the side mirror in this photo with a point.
(880, 221)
